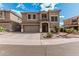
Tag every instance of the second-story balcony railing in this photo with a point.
(44, 19)
(75, 23)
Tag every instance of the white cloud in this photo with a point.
(35, 4)
(21, 5)
(44, 6)
(62, 16)
(47, 6)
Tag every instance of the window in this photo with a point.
(1, 14)
(34, 16)
(52, 18)
(56, 19)
(44, 16)
(74, 20)
(29, 16)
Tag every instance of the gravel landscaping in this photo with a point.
(60, 35)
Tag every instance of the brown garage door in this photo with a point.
(31, 28)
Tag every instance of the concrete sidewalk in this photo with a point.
(67, 49)
(21, 41)
(21, 44)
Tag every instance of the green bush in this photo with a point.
(49, 35)
(75, 31)
(2, 29)
(71, 30)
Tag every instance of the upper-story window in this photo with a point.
(44, 16)
(34, 16)
(29, 16)
(74, 20)
(54, 18)
(1, 14)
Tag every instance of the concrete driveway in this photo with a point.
(28, 44)
(18, 35)
(20, 38)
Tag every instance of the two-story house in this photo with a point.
(72, 23)
(10, 20)
(40, 21)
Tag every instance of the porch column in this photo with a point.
(49, 30)
(58, 29)
(40, 27)
(22, 28)
(11, 28)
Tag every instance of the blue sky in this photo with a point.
(67, 9)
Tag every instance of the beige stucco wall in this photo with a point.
(30, 23)
(6, 16)
(15, 18)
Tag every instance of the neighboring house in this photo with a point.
(9, 20)
(40, 21)
(72, 23)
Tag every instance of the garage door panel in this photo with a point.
(30, 28)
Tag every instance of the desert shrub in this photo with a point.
(75, 31)
(49, 35)
(71, 30)
(2, 29)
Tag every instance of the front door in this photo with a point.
(44, 27)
